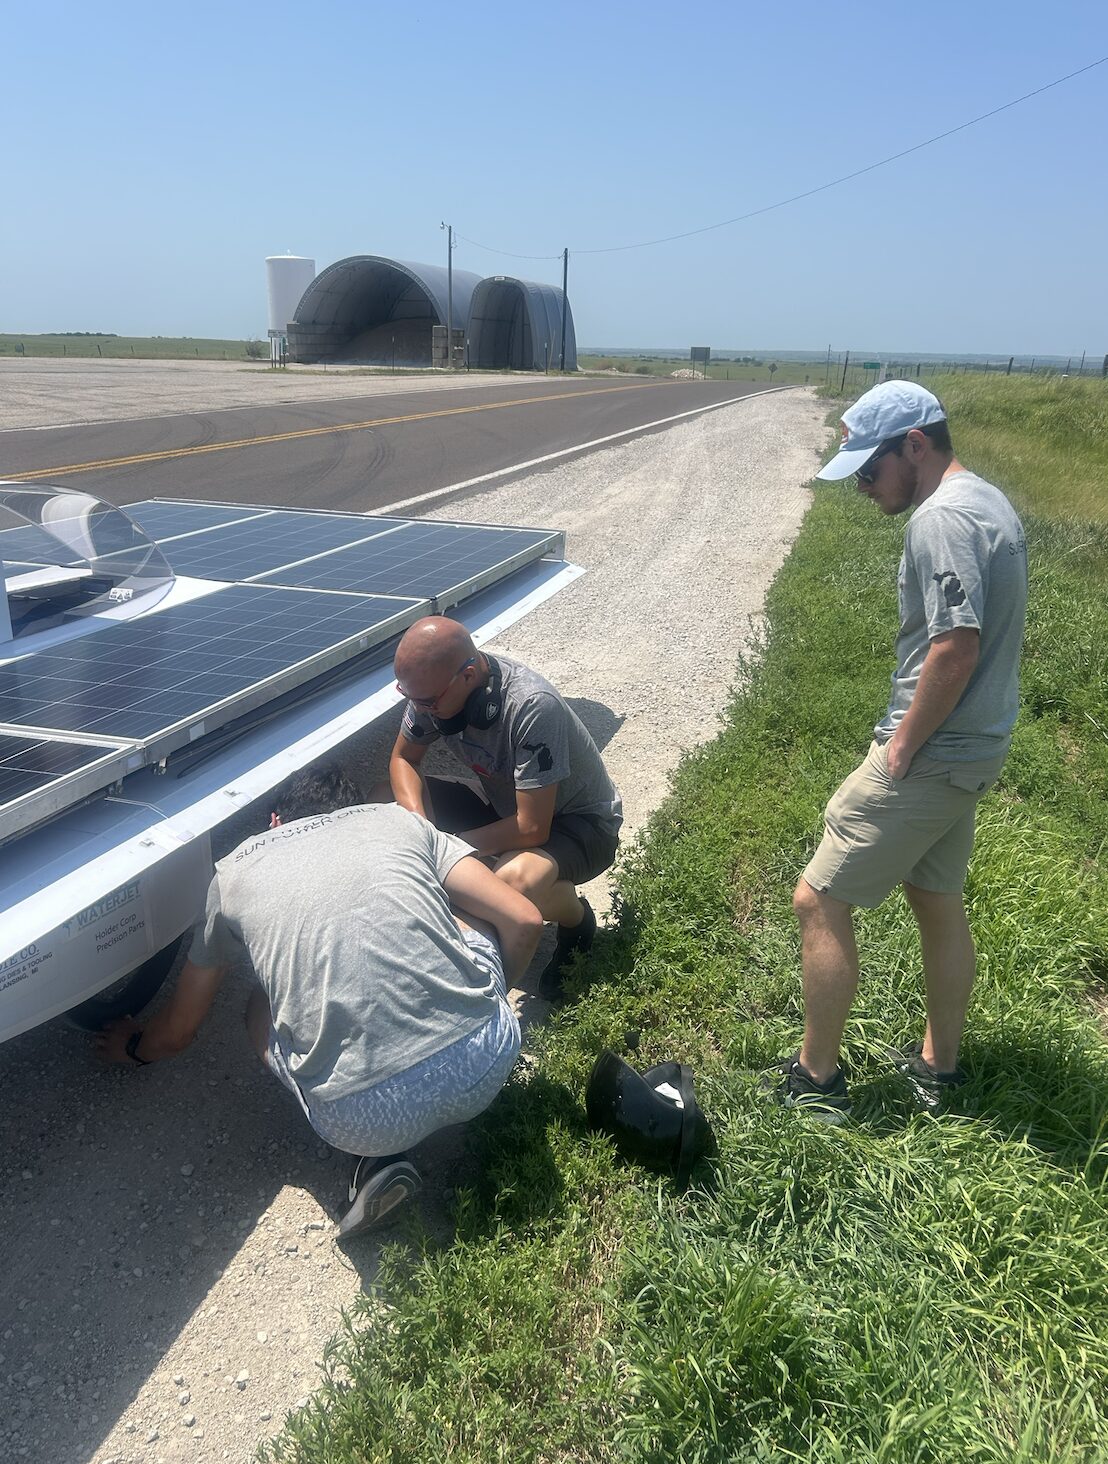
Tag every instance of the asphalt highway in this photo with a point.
(356, 453)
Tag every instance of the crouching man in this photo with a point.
(547, 812)
(382, 948)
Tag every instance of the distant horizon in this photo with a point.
(816, 354)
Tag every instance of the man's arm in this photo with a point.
(527, 828)
(404, 774)
(950, 662)
(173, 1028)
(476, 891)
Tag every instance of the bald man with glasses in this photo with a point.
(906, 816)
(547, 814)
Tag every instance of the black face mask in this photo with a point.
(482, 707)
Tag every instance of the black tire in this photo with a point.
(127, 996)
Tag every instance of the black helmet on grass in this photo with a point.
(653, 1116)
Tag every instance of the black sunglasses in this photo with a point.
(868, 473)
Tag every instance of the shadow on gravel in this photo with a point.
(124, 1196)
(600, 721)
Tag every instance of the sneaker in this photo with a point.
(378, 1189)
(571, 938)
(792, 1086)
(928, 1085)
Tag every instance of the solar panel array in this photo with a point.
(136, 679)
(292, 594)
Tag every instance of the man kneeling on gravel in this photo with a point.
(380, 1008)
(547, 813)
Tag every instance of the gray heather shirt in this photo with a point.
(964, 564)
(349, 930)
(537, 740)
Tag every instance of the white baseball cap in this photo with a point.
(885, 411)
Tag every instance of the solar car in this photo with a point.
(163, 665)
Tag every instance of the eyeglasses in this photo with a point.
(867, 475)
(430, 703)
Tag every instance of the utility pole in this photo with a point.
(449, 295)
(565, 304)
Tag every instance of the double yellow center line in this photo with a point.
(184, 452)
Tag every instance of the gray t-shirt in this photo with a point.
(350, 933)
(964, 564)
(536, 741)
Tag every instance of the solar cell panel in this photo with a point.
(46, 774)
(251, 547)
(34, 546)
(420, 558)
(195, 663)
(164, 519)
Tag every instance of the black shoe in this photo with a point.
(378, 1190)
(929, 1086)
(571, 938)
(792, 1086)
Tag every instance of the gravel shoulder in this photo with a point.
(171, 1279)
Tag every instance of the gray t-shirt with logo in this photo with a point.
(535, 742)
(350, 933)
(964, 564)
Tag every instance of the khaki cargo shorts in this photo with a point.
(879, 832)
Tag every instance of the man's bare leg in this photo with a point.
(535, 875)
(949, 969)
(829, 956)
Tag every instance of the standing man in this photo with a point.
(906, 815)
(550, 815)
(382, 949)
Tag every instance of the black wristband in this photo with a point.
(131, 1048)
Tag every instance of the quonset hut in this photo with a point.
(518, 324)
(379, 311)
(375, 310)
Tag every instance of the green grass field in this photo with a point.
(145, 348)
(905, 1290)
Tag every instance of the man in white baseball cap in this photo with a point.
(906, 815)
(880, 418)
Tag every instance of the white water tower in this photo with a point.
(287, 276)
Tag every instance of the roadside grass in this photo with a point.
(904, 1290)
(147, 348)
(786, 373)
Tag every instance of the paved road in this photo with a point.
(357, 453)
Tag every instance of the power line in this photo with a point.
(822, 187)
(507, 252)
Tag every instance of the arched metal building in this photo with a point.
(381, 312)
(518, 324)
(376, 310)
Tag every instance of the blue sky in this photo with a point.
(154, 155)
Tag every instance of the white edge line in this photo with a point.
(568, 451)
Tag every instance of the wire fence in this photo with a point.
(846, 369)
